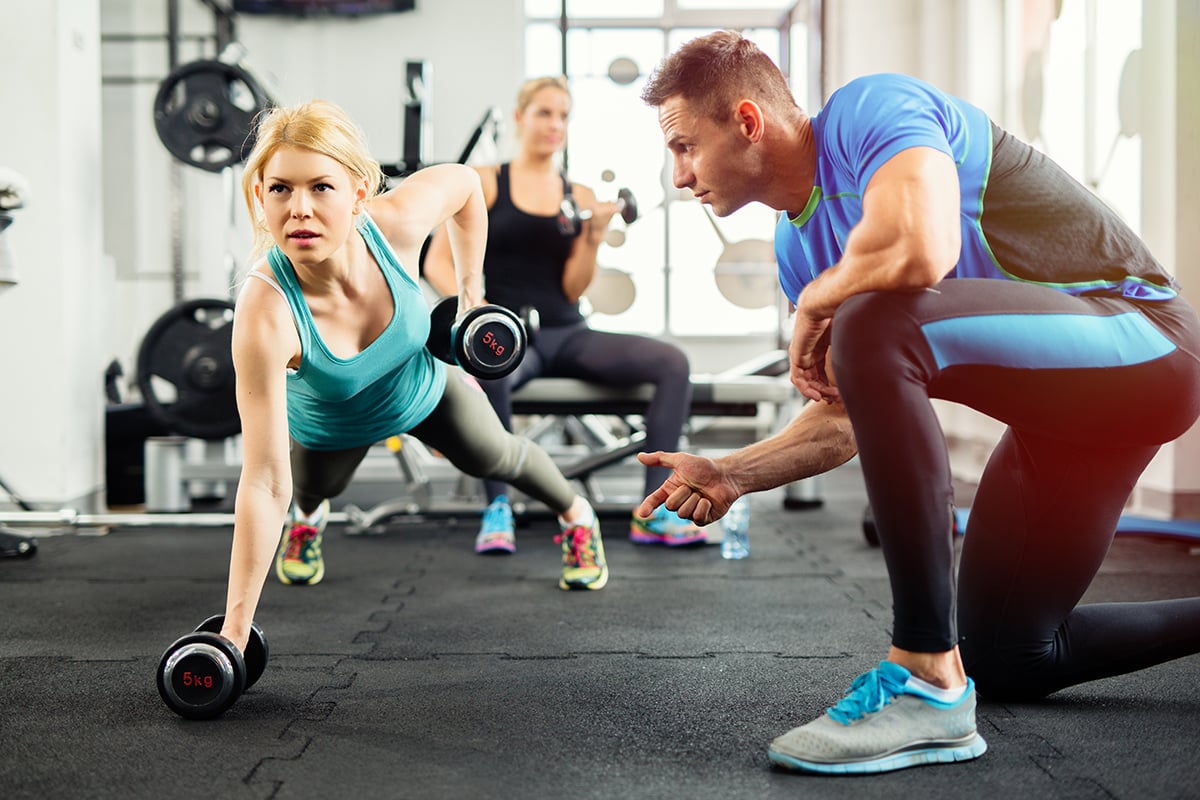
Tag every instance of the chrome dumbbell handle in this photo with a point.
(626, 207)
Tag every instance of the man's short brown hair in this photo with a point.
(713, 72)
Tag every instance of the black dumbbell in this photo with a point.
(201, 675)
(572, 215)
(489, 341)
(626, 205)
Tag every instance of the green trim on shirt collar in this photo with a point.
(810, 208)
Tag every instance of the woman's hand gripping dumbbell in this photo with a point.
(487, 341)
(201, 675)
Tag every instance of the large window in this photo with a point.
(694, 274)
(1080, 63)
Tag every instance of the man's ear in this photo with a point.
(750, 120)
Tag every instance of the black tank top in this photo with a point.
(524, 260)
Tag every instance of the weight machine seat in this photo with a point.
(712, 396)
(736, 392)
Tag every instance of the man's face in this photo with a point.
(712, 159)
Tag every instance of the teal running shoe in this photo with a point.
(496, 534)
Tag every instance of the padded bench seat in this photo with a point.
(712, 396)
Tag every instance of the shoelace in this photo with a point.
(298, 538)
(870, 692)
(580, 549)
(498, 515)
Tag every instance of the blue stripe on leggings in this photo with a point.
(1045, 341)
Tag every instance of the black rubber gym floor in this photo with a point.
(420, 670)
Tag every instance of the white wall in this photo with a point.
(1170, 117)
(54, 325)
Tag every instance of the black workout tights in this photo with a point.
(1089, 388)
(610, 359)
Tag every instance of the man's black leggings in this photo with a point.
(1089, 388)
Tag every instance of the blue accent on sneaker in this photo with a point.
(871, 691)
(883, 723)
(496, 533)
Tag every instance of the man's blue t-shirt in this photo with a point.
(1029, 221)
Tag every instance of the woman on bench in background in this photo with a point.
(537, 257)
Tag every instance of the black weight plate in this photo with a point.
(201, 675)
(489, 341)
(256, 656)
(257, 651)
(441, 320)
(190, 347)
(630, 211)
(204, 113)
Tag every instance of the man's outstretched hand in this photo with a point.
(698, 489)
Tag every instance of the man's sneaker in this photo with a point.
(496, 533)
(299, 558)
(583, 557)
(665, 527)
(883, 723)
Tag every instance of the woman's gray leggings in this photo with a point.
(465, 429)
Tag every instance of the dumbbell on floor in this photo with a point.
(202, 674)
(489, 341)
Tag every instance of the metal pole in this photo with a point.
(562, 57)
(175, 170)
(69, 517)
(172, 35)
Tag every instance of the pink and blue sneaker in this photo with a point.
(665, 527)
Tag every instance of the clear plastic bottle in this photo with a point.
(735, 543)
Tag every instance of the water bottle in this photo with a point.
(735, 542)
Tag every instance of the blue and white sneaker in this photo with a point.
(883, 723)
(496, 533)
